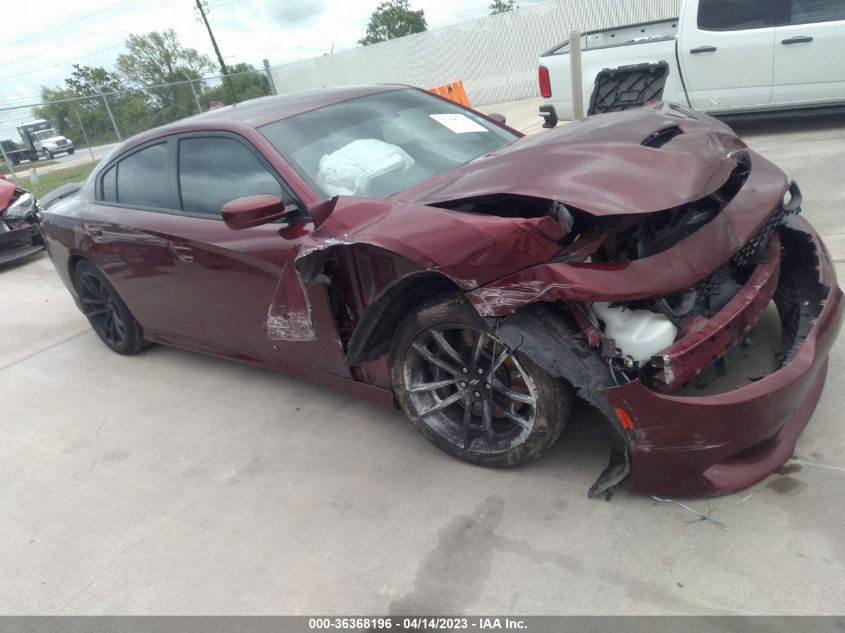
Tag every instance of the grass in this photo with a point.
(54, 179)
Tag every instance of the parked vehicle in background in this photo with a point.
(719, 57)
(19, 216)
(402, 247)
(39, 139)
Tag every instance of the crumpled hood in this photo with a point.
(600, 164)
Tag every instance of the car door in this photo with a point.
(726, 50)
(809, 52)
(127, 226)
(235, 278)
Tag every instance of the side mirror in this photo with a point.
(498, 117)
(242, 213)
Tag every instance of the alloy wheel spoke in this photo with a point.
(434, 360)
(479, 345)
(443, 344)
(522, 422)
(442, 404)
(467, 426)
(487, 419)
(431, 386)
(499, 361)
(510, 393)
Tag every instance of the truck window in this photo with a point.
(809, 11)
(731, 15)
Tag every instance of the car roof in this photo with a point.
(257, 112)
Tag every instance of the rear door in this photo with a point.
(235, 279)
(809, 52)
(726, 50)
(128, 228)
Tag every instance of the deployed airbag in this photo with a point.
(349, 170)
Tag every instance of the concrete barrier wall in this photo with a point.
(496, 56)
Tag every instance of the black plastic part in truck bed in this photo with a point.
(628, 87)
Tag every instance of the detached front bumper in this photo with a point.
(18, 239)
(705, 445)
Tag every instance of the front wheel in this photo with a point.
(468, 394)
(106, 312)
(47, 154)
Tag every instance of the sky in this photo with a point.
(46, 41)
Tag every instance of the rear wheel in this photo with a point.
(468, 394)
(106, 312)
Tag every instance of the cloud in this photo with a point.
(294, 13)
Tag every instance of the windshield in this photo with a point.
(381, 144)
(44, 134)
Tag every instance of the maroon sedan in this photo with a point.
(393, 244)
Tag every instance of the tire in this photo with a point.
(47, 155)
(71, 151)
(508, 418)
(108, 315)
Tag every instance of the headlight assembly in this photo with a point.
(21, 207)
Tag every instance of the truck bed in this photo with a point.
(621, 36)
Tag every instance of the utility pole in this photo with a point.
(202, 7)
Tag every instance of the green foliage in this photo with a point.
(244, 82)
(159, 58)
(134, 97)
(392, 19)
(502, 6)
(81, 100)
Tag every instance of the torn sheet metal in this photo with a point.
(672, 270)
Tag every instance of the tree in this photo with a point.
(244, 83)
(159, 58)
(391, 19)
(66, 107)
(502, 6)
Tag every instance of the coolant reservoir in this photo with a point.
(638, 333)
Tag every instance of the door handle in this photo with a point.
(184, 254)
(703, 49)
(800, 39)
(95, 232)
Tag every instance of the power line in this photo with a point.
(67, 61)
(64, 24)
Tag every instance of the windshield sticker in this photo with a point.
(458, 123)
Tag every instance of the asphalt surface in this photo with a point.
(173, 483)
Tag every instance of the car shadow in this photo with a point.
(785, 122)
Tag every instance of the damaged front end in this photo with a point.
(649, 316)
(19, 218)
(636, 256)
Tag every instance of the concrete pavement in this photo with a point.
(173, 483)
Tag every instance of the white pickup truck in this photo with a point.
(719, 57)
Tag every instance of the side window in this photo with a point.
(214, 171)
(731, 15)
(142, 178)
(110, 185)
(809, 11)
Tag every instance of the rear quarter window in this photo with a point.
(143, 179)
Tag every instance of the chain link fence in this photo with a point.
(495, 56)
(55, 135)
